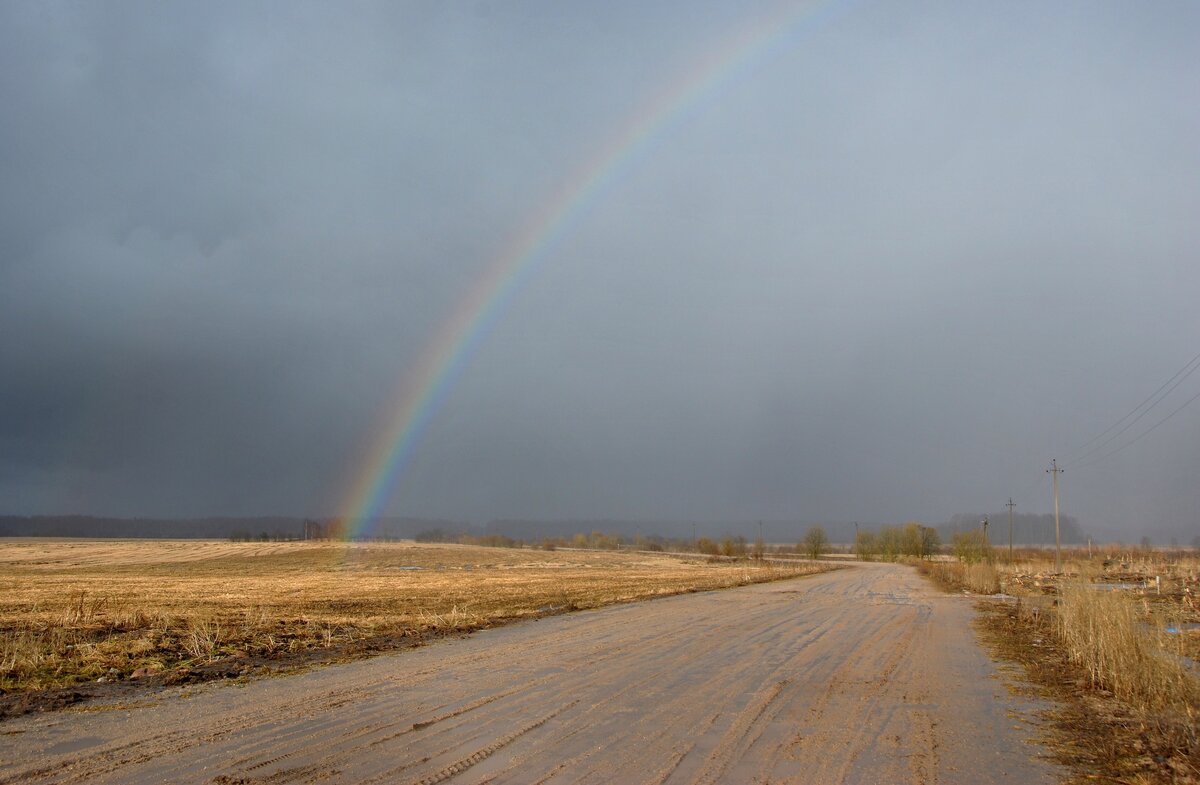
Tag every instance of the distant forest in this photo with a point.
(259, 528)
(1028, 529)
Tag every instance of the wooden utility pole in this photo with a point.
(1010, 506)
(1055, 471)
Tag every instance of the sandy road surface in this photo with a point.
(861, 675)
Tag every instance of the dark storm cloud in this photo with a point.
(888, 271)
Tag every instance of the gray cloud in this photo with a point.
(887, 270)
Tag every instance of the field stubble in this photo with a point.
(88, 611)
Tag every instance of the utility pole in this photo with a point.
(1055, 471)
(1010, 506)
(985, 539)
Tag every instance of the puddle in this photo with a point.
(1187, 626)
(889, 598)
(1115, 586)
(73, 745)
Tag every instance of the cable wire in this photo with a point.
(1139, 436)
(1083, 452)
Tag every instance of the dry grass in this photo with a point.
(1161, 589)
(1119, 635)
(1137, 661)
(74, 611)
(1101, 738)
(1096, 637)
(980, 578)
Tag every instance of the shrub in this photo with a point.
(865, 545)
(815, 542)
(971, 547)
(733, 546)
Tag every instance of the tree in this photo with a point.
(970, 547)
(865, 545)
(889, 542)
(930, 541)
(815, 542)
(918, 540)
(910, 539)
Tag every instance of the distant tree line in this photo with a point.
(86, 526)
(729, 546)
(890, 543)
(243, 535)
(215, 528)
(1028, 529)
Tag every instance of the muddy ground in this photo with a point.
(861, 675)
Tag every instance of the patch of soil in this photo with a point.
(15, 704)
(1100, 738)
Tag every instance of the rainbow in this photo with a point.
(425, 385)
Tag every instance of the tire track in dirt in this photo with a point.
(738, 736)
(479, 755)
(861, 675)
(668, 696)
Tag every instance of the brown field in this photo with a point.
(79, 611)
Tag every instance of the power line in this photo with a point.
(1143, 403)
(1140, 436)
(1028, 487)
(1164, 389)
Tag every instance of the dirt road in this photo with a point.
(864, 675)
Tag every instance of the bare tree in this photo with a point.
(815, 542)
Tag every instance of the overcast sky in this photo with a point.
(885, 269)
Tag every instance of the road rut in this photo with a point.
(862, 675)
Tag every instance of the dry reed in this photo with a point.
(1135, 660)
(980, 578)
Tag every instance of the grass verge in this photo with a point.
(1100, 736)
(1125, 691)
(979, 578)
